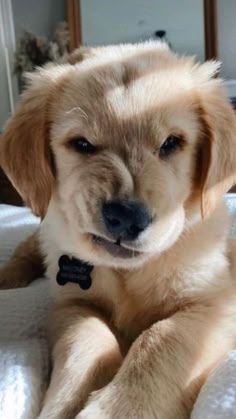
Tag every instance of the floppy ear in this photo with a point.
(25, 154)
(218, 147)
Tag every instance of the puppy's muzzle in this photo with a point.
(124, 219)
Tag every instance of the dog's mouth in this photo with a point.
(115, 248)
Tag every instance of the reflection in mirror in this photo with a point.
(132, 21)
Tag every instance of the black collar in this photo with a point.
(75, 271)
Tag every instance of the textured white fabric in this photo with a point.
(24, 362)
(217, 399)
(16, 224)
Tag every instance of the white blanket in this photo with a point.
(24, 360)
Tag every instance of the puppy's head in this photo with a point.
(123, 142)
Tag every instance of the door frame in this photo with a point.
(7, 35)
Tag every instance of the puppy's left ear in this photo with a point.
(25, 153)
(218, 146)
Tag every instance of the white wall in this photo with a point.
(38, 16)
(112, 21)
(227, 37)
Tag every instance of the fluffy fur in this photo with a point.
(140, 342)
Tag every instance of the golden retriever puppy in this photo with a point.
(126, 152)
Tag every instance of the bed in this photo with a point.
(24, 356)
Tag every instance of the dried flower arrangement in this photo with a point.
(33, 51)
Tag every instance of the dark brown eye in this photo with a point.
(170, 145)
(82, 145)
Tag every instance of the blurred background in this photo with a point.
(33, 32)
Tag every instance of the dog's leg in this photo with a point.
(25, 265)
(86, 356)
(164, 369)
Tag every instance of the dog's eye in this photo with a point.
(82, 145)
(170, 145)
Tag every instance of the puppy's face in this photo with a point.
(126, 129)
(125, 149)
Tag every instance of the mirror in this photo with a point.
(188, 24)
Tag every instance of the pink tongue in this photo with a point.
(114, 249)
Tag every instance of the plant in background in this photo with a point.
(33, 51)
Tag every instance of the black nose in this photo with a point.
(125, 219)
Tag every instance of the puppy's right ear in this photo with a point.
(25, 153)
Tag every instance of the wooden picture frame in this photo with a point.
(210, 26)
(74, 23)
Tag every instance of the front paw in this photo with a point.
(107, 403)
(97, 407)
(92, 412)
